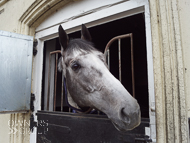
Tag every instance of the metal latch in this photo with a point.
(32, 98)
(32, 123)
(35, 43)
(146, 139)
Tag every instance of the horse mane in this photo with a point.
(81, 45)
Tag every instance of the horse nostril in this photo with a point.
(124, 116)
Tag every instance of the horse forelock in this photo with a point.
(76, 47)
(79, 45)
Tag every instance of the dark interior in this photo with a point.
(101, 35)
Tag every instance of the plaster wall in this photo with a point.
(10, 12)
(4, 130)
(169, 76)
(184, 11)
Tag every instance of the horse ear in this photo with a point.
(85, 34)
(63, 38)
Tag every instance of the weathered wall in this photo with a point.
(4, 130)
(10, 12)
(169, 72)
(184, 11)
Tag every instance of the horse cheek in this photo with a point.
(91, 82)
(74, 87)
(70, 86)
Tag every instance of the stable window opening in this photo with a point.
(101, 35)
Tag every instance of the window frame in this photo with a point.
(103, 14)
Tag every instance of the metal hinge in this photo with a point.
(32, 98)
(146, 139)
(152, 108)
(32, 123)
(35, 43)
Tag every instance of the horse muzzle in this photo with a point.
(127, 120)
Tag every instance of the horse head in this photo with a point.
(91, 84)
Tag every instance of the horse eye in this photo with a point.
(75, 67)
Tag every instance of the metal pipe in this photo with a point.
(115, 38)
(119, 50)
(49, 74)
(119, 56)
(49, 77)
(62, 92)
(108, 59)
(54, 52)
(132, 66)
(55, 85)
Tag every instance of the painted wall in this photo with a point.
(10, 12)
(4, 130)
(170, 89)
(184, 11)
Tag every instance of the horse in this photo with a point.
(90, 83)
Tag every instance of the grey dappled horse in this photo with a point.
(90, 83)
